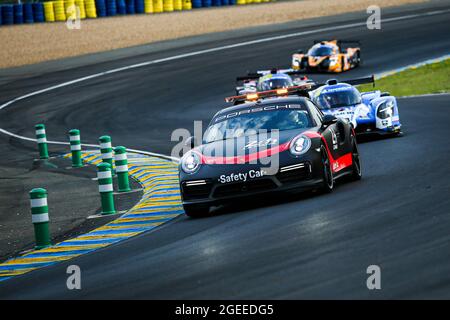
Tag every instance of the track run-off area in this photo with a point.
(312, 246)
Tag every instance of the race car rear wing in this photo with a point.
(352, 82)
(260, 73)
(301, 90)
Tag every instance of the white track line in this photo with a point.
(191, 54)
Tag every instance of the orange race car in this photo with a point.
(328, 56)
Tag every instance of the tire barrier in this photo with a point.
(38, 12)
(91, 11)
(49, 13)
(71, 10)
(100, 6)
(7, 15)
(187, 5)
(177, 5)
(120, 158)
(75, 148)
(68, 4)
(105, 187)
(130, 7)
(18, 13)
(41, 139)
(139, 6)
(148, 6)
(121, 7)
(111, 7)
(60, 11)
(168, 5)
(39, 217)
(28, 16)
(158, 6)
(106, 150)
(196, 4)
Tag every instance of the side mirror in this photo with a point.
(328, 119)
(190, 142)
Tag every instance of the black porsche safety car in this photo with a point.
(265, 146)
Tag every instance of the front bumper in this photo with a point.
(293, 175)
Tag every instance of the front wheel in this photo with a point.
(328, 180)
(356, 163)
(196, 210)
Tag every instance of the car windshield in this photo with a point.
(321, 51)
(338, 98)
(251, 121)
(275, 83)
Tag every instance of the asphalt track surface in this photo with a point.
(313, 246)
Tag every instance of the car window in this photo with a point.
(337, 98)
(250, 121)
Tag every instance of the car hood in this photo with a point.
(247, 148)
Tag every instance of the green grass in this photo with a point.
(431, 78)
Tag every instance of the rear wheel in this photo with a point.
(196, 210)
(356, 163)
(328, 180)
(357, 59)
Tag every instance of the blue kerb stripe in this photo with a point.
(26, 265)
(154, 207)
(126, 223)
(75, 242)
(145, 215)
(106, 232)
(164, 196)
(4, 278)
(56, 254)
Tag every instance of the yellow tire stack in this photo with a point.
(257, 1)
(158, 6)
(241, 2)
(69, 9)
(187, 5)
(168, 5)
(80, 4)
(177, 5)
(48, 12)
(91, 11)
(60, 11)
(249, 1)
(148, 6)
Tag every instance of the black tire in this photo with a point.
(328, 180)
(356, 163)
(358, 59)
(196, 210)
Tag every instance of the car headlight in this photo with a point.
(300, 145)
(385, 109)
(333, 61)
(190, 162)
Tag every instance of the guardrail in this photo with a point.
(51, 11)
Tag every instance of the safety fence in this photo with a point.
(51, 11)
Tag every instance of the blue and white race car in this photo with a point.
(368, 112)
